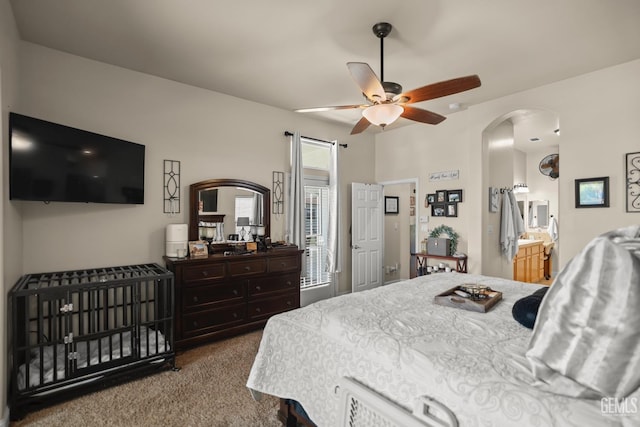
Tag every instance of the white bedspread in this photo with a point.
(395, 340)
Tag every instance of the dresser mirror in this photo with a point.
(217, 207)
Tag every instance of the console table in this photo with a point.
(461, 261)
(225, 295)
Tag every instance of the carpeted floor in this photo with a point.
(209, 390)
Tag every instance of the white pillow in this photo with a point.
(586, 340)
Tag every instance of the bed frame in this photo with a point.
(290, 417)
(93, 328)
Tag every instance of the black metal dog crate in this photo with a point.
(86, 329)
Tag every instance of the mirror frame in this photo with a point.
(203, 185)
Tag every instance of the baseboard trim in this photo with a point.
(5, 419)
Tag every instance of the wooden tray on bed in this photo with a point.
(450, 299)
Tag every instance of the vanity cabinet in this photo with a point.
(226, 295)
(528, 265)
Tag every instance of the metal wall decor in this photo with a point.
(171, 185)
(278, 192)
(633, 182)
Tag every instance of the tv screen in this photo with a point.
(55, 163)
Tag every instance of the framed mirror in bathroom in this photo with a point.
(538, 216)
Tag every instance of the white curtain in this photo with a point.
(333, 252)
(295, 212)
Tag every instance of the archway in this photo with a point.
(513, 146)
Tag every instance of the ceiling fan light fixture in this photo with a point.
(382, 114)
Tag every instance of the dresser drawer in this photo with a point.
(202, 297)
(266, 285)
(195, 324)
(248, 267)
(195, 274)
(284, 263)
(269, 306)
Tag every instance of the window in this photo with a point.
(316, 226)
(315, 158)
(244, 208)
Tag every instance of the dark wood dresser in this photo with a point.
(225, 295)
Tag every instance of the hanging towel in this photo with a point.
(508, 241)
(553, 229)
(518, 222)
(511, 225)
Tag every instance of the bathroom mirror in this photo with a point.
(538, 214)
(215, 201)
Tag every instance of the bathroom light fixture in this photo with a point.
(520, 188)
(382, 114)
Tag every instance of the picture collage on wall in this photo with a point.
(444, 202)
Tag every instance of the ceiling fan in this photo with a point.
(550, 166)
(386, 101)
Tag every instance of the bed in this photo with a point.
(397, 341)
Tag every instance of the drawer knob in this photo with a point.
(195, 299)
(283, 264)
(195, 323)
(258, 288)
(247, 268)
(258, 310)
(289, 303)
(289, 283)
(235, 315)
(235, 292)
(205, 273)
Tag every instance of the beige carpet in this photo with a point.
(209, 390)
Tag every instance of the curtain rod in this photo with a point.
(287, 133)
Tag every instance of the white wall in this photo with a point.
(598, 115)
(211, 134)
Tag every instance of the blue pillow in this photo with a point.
(525, 310)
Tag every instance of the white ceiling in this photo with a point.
(293, 53)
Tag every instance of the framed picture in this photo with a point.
(412, 200)
(438, 209)
(390, 204)
(454, 196)
(441, 196)
(633, 182)
(198, 249)
(592, 192)
(429, 200)
(494, 199)
(412, 211)
(452, 209)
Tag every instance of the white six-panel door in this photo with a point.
(366, 236)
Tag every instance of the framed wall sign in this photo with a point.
(494, 199)
(592, 192)
(633, 182)
(390, 205)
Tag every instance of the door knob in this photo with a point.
(356, 247)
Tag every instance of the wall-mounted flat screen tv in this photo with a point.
(54, 163)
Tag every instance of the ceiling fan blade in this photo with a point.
(362, 124)
(329, 108)
(367, 80)
(423, 116)
(438, 90)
